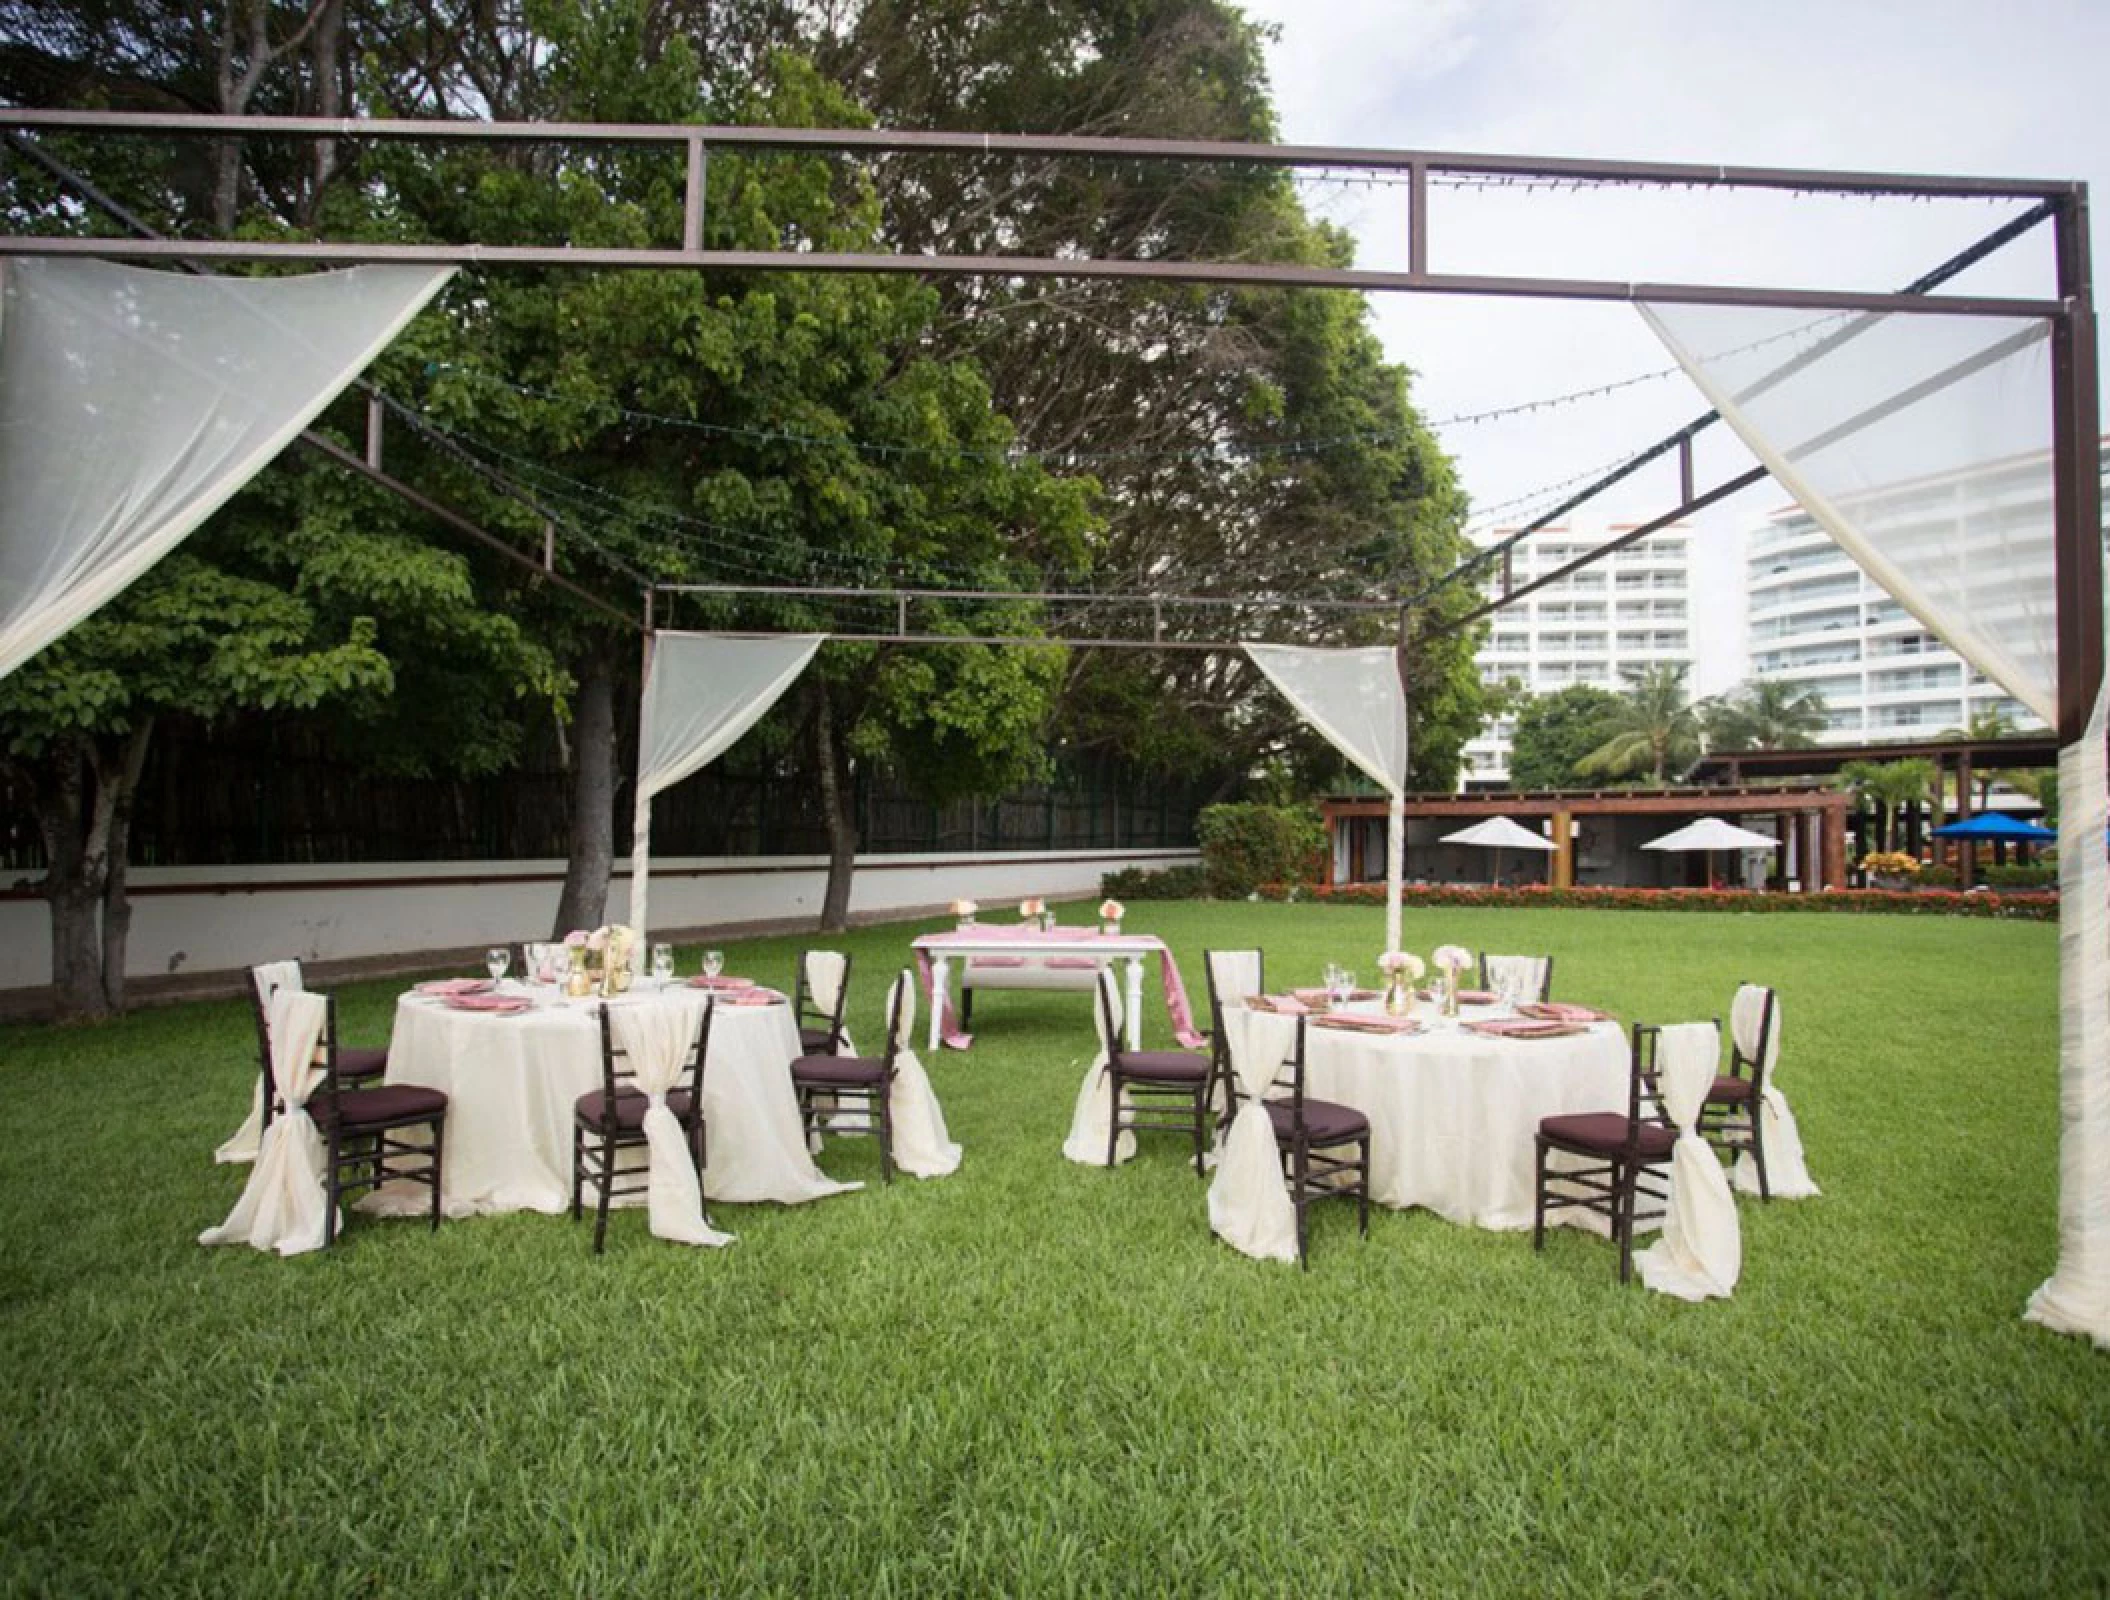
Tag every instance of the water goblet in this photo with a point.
(1343, 986)
(496, 960)
(713, 963)
(663, 962)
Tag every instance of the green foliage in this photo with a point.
(1245, 846)
(1554, 732)
(2017, 875)
(1886, 788)
(1164, 883)
(2021, 905)
(1765, 714)
(1652, 732)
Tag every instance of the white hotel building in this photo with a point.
(1632, 609)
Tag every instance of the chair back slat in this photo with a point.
(1754, 1032)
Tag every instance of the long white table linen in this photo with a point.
(512, 1081)
(1453, 1113)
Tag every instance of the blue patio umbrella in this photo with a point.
(1993, 827)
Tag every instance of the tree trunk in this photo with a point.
(117, 784)
(838, 794)
(83, 799)
(584, 903)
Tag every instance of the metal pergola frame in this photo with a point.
(2077, 511)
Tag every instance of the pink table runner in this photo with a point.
(1050, 944)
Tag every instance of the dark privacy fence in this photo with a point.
(268, 797)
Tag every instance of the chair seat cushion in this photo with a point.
(630, 1107)
(361, 1061)
(1608, 1133)
(1730, 1091)
(1165, 1066)
(1325, 1121)
(843, 1072)
(385, 1107)
(816, 1041)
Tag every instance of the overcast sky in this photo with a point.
(2015, 89)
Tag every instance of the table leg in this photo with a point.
(1135, 1002)
(940, 979)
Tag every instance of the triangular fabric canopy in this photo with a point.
(134, 403)
(1923, 445)
(1712, 833)
(1499, 833)
(1992, 826)
(702, 691)
(1354, 698)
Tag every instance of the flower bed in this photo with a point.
(2030, 907)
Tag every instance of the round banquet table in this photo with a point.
(511, 1081)
(1453, 1113)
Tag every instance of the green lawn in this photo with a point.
(1040, 1378)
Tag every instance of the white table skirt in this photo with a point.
(1453, 1114)
(511, 1083)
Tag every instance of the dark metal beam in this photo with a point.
(2077, 483)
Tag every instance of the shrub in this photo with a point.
(2016, 876)
(1937, 878)
(1245, 846)
(1168, 883)
(2022, 906)
(1890, 863)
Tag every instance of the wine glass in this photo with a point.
(663, 962)
(1343, 986)
(713, 963)
(496, 960)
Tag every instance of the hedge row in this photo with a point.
(1886, 902)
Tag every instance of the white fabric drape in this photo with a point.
(267, 979)
(283, 1206)
(921, 1144)
(1234, 974)
(1922, 444)
(657, 1036)
(1522, 976)
(1700, 1252)
(133, 403)
(1249, 1202)
(1092, 1116)
(1787, 1173)
(702, 691)
(826, 971)
(1356, 700)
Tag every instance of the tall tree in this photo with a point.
(1887, 788)
(1765, 714)
(1554, 732)
(1652, 730)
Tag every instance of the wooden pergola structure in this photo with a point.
(1814, 820)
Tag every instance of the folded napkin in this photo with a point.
(1523, 1028)
(995, 961)
(447, 986)
(1561, 1011)
(721, 983)
(1359, 1022)
(751, 996)
(1073, 962)
(1477, 997)
(497, 1004)
(1287, 1005)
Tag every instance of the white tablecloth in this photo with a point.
(1453, 1114)
(511, 1082)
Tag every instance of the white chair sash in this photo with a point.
(657, 1036)
(241, 1145)
(1249, 1202)
(1093, 1113)
(1234, 974)
(1523, 976)
(825, 972)
(921, 1146)
(1700, 1252)
(284, 1206)
(1787, 1174)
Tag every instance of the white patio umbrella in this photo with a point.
(1711, 834)
(1499, 834)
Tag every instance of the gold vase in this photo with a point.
(1399, 996)
(1450, 992)
(578, 982)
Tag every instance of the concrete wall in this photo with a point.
(198, 920)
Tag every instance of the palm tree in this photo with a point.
(1766, 714)
(1654, 728)
(1886, 788)
(1991, 722)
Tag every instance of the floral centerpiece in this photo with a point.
(1110, 914)
(1035, 910)
(600, 959)
(963, 912)
(1451, 960)
(1402, 970)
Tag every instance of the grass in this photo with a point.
(1039, 1378)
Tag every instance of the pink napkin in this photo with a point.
(1286, 1004)
(751, 996)
(1358, 1023)
(455, 986)
(996, 961)
(721, 983)
(1561, 1011)
(1477, 997)
(497, 1004)
(1072, 962)
(1523, 1028)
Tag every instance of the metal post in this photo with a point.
(1418, 219)
(374, 418)
(693, 197)
(2077, 485)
